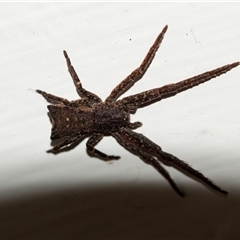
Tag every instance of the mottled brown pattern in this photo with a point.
(93, 118)
(145, 98)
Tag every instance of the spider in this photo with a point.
(91, 117)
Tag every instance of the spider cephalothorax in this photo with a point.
(93, 118)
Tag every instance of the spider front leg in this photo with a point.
(156, 150)
(92, 98)
(147, 158)
(179, 164)
(93, 141)
(138, 73)
(145, 98)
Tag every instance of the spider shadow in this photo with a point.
(66, 148)
(74, 145)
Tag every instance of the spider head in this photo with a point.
(109, 118)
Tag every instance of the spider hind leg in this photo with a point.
(92, 142)
(65, 143)
(52, 98)
(91, 97)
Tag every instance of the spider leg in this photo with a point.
(147, 158)
(93, 98)
(65, 142)
(134, 125)
(55, 99)
(176, 162)
(154, 149)
(138, 73)
(93, 141)
(52, 98)
(148, 97)
(152, 161)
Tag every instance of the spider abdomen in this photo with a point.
(69, 121)
(109, 118)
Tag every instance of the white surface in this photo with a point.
(71, 195)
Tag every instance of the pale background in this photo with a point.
(71, 195)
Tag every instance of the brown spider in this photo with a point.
(93, 118)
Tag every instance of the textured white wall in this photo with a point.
(73, 195)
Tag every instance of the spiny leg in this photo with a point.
(93, 141)
(152, 161)
(154, 149)
(66, 142)
(55, 99)
(176, 162)
(147, 158)
(147, 97)
(52, 98)
(138, 73)
(93, 98)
